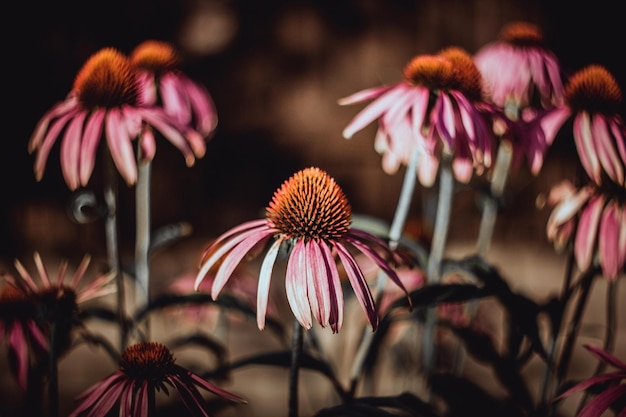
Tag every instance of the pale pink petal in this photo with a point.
(552, 121)
(605, 147)
(147, 144)
(608, 237)
(295, 285)
(70, 150)
(234, 257)
(67, 106)
(587, 232)
(334, 288)
(43, 150)
(583, 138)
(365, 95)
(89, 145)
(418, 111)
(41, 269)
(265, 276)
(317, 277)
(120, 147)
(148, 93)
(359, 284)
(374, 110)
(174, 103)
(202, 104)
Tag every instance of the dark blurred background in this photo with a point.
(275, 70)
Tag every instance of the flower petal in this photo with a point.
(295, 285)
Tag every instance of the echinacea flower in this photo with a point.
(19, 330)
(436, 109)
(106, 100)
(593, 98)
(615, 388)
(598, 220)
(518, 70)
(163, 83)
(57, 301)
(310, 217)
(146, 368)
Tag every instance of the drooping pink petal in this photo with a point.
(374, 110)
(566, 210)
(233, 258)
(215, 389)
(120, 147)
(59, 109)
(265, 276)
(101, 397)
(334, 288)
(587, 232)
(89, 145)
(608, 237)
(156, 118)
(583, 138)
(551, 122)
(70, 150)
(43, 150)
(605, 147)
(295, 285)
(365, 95)
(174, 103)
(202, 105)
(190, 396)
(359, 284)
(18, 343)
(601, 402)
(318, 285)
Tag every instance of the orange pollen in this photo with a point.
(154, 56)
(430, 71)
(149, 361)
(107, 80)
(593, 89)
(521, 34)
(468, 77)
(310, 205)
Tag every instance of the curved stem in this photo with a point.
(142, 238)
(395, 233)
(490, 209)
(296, 352)
(440, 233)
(110, 199)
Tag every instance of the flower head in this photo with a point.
(188, 102)
(146, 368)
(56, 301)
(19, 330)
(519, 70)
(615, 388)
(436, 110)
(592, 99)
(597, 223)
(310, 217)
(106, 100)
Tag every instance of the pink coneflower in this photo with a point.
(19, 330)
(519, 70)
(598, 221)
(310, 217)
(58, 301)
(437, 109)
(106, 101)
(615, 388)
(146, 368)
(593, 98)
(188, 102)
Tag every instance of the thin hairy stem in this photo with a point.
(296, 352)
(440, 233)
(110, 199)
(142, 238)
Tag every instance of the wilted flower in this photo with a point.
(162, 83)
(106, 101)
(593, 98)
(599, 222)
(518, 70)
(19, 330)
(437, 109)
(615, 388)
(310, 216)
(57, 301)
(146, 368)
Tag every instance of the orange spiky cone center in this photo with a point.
(593, 89)
(147, 361)
(154, 56)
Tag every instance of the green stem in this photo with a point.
(440, 233)
(395, 233)
(142, 238)
(296, 352)
(110, 198)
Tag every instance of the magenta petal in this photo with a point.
(174, 103)
(43, 150)
(605, 147)
(334, 287)
(70, 150)
(605, 357)
(120, 146)
(215, 389)
(319, 291)
(608, 237)
(18, 343)
(89, 145)
(583, 138)
(596, 406)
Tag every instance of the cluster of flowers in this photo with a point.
(451, 109)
